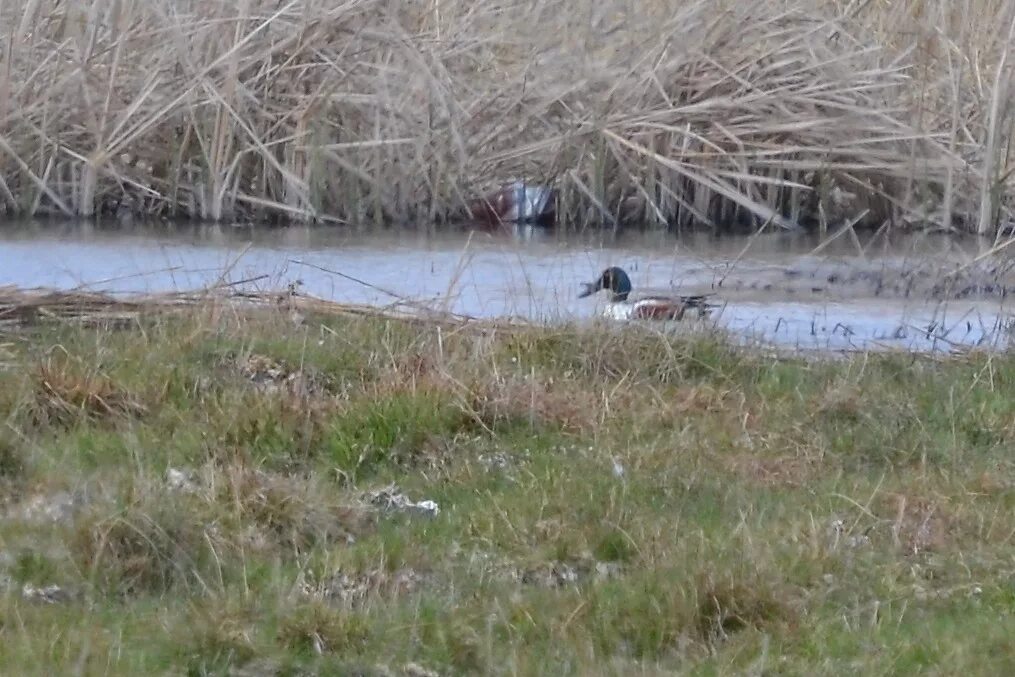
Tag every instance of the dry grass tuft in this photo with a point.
(413, 373)
(918, 523)
(220, 634)
(703, 399)
(138, 550)
(729, 605)
(799, 111)
(785, 470)
(315, 628)
(842, 401)
(278, 512)
(167, 537)
(534, 402)
(68, 390)
(12, 458)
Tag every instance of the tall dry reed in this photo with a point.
(798, 112)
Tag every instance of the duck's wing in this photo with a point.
(688, 301)
(670, 307)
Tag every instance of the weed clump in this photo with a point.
(12, 458)
(34, 567)
(220, 636)
(143, 548)
(315, 628)
(67, 391)
(167, 537)
(604, 354)
(615, 546)
(272, 429)
(729, 605)
(286, 514)
(534, 403)
(663, 610)
(395, 428)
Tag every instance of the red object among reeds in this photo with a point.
(516, 202)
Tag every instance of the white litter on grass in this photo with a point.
(181, 480)
(498, 460)
(416, 670)
(59, 507)
(838, 535)
(429, 507)
(390, 498)
(354, 588)
(50, 594)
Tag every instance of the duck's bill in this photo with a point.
(587, 290)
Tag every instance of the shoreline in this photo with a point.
(25, 311)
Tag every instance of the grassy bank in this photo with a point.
(812, 112)
(213, 492)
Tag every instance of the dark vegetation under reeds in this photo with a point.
(801, 112)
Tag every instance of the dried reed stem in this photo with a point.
(795, 111)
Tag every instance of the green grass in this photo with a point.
(610, 503)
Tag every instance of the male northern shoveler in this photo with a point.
(620, 307)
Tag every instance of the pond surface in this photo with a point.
(790, 290)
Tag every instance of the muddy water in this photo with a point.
(874, 293)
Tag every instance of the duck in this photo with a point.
(622, 307)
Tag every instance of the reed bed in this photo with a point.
(811, 113)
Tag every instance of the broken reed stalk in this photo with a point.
(374, 112)
(24, 307)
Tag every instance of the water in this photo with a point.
(852, 294)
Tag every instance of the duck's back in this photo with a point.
(657, 308)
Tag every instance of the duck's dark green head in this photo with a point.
(613, 279)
